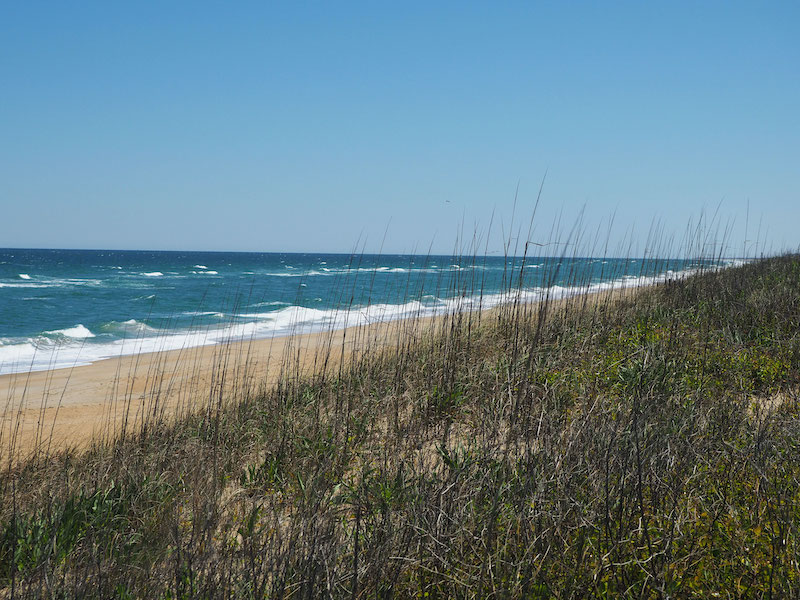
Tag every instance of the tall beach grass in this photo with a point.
(637, 442)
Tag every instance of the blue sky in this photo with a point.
(318, 126)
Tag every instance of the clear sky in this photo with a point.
(310, 126)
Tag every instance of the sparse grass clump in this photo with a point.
(646, 445)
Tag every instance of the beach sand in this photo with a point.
(46, 411)
(51, 410)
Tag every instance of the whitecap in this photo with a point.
(309, 274)
(25, 285)
(126, 327)
(153, 274)
(24, 276)
(200, 267)
(273, 303)
(75, 281)
(78, 332)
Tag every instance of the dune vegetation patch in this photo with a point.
(640, 445)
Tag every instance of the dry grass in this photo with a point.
(619, 447)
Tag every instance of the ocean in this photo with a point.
(64, 308)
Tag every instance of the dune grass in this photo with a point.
(642, 445)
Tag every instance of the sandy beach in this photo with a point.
(69, 407)
(50, 410)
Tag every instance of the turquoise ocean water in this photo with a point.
(61, 308)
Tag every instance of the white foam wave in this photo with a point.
(47, 282)
(200, 267)
(24, 285)
(79, 332)
(312, 273)
(326, 271)
(205, 272)
(72, 347)
(736, 262)
(131, 326)
(153, 274)
(77, 281)
(273, 303)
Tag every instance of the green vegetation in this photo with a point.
(642, 445)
